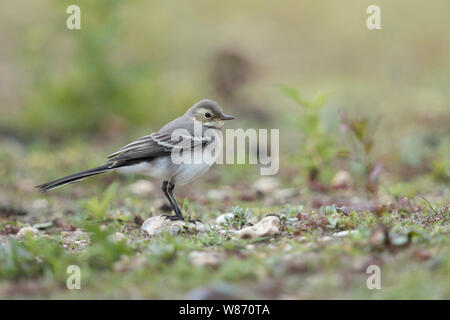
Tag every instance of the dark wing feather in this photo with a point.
(153, 145)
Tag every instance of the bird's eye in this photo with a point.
(208, 115)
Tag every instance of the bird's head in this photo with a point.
(209, 113)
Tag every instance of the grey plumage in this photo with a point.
(151, 154)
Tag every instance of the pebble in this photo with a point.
(160, 224)
(27, 230)
(117, 237)
(223, 218)
(268, 226)
(325, 239)
(345, 233)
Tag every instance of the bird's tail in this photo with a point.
(73, 178)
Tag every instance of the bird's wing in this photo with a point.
(155, 145)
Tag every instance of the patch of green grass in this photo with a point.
(96, 208)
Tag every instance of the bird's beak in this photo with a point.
(226, 117)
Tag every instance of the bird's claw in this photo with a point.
(172, 217)
(195, 221)
(176, 218)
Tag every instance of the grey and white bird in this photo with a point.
(153, 153)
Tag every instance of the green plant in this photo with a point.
(96, 207)
(293, 211)
(400, 190)
(359, 133)
(318, 147)
(328, 210)
(240, 217)
(33, 257)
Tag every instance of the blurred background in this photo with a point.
(361, 112)
(135, 65)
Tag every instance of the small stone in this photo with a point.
(160, 224)
(325, 239)
(342, 180)
(345, 233)
(202, 258)
(44, 225)
(117, 237)
(269, 226)
(142, 188)
(253, 220)
(23, 232)
(265, 185)
(224, 218)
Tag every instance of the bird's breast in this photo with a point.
(200, 162)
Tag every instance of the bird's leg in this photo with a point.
(170, 188)
(178, 215)
(176, 207)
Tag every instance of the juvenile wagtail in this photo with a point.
(152, 154)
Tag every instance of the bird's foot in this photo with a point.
(176, 218)
(172, 217)
(195, 221)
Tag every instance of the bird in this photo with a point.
(153, 154)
